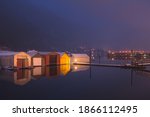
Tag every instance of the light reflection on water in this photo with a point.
(22, 77)
(75, 82)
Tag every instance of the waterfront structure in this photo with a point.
(55, 58)
(11, 59)
(36, 59)
(51, 58)
(129, 54)
(45, 56)
(134, 56)
(64, 58)
(80, 58)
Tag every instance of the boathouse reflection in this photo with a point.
(24, 76)
(65, 69)
(37, 72)
(18, 77)
(52, 71)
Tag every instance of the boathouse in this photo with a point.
(37, 60)
(15, 59)
(80, 58)
(51, 58)
(54, 58)
(64, 58)
(45, 56)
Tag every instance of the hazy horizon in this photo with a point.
(41, 25)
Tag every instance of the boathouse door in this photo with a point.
(22, 63)
(37, 61)
(53, 59)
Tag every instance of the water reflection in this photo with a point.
(52, 71)
(145, 73)
(65, 69)
(77, 68)
(67, 82)
(132, 77)
(38, 72)
(19, 77)
(22, 77)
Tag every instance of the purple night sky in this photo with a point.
(44, 24)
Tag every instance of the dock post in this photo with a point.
(131, 77)
(90, 56)
(99, 55)
(90, 63)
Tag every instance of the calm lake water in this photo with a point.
(75, 82)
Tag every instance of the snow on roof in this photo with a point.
(80, 55)
(61, 53)
(43, 53)
(8, 53)
(32, 52)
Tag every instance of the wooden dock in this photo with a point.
(144, 64)
(111, 65)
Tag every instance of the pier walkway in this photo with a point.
(111, 65)
(144, 64)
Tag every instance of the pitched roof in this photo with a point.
(43, 53)
(8, 53)
(80, 55)
(32, 53)
(61, 53)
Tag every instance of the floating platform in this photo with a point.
(15, 68)
(111, 65)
